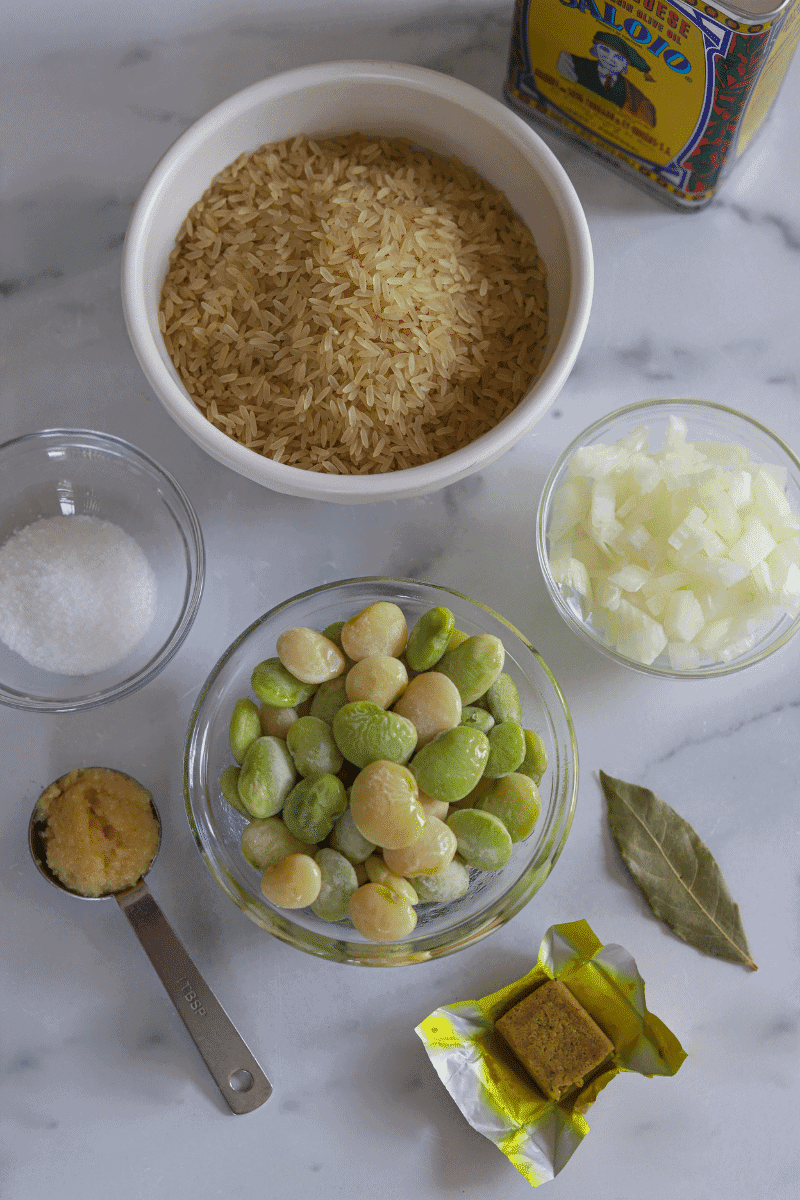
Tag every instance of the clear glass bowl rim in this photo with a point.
(589, 435)
(422, 949)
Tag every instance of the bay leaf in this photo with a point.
(675, 870)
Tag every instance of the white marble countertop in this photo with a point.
(103, 1092)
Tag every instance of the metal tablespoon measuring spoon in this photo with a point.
(240, 1079)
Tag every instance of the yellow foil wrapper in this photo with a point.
(493, 1090)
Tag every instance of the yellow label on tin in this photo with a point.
(658, 84)
(770, 79)
(636, 77)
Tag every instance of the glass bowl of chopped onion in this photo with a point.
(667, 534)
(492, 897)
(101, 569)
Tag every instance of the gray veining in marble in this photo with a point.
(98, 1078)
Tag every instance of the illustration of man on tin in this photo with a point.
(605, 74)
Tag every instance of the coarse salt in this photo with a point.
(77, 594)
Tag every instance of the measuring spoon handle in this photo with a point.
(243, 1084)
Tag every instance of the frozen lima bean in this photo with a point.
(432, 704)
(338, 882)
(294, 882)
(328, 699)
(384, 802)
(309, 655)
(450, 766)
(506, 749)
(447, 885)
(381, 914)
(267, 840)
(310, 742)
(229, 786)
(276, 722)
(379, 678)
(276, 686)
(428, 855)
(502, 699)
(515, 799)
(429, 638)
(313, 806)
(365, 733)
(483, 841)
(244, 727)
(379, 628)
(378, 768)
(266, 777)
(378, 872)
(474, 665)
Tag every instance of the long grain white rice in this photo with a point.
(354, 306)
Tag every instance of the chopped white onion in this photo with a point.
(687, 551)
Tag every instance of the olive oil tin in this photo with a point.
(670, 92)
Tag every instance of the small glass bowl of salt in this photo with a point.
(101, 569)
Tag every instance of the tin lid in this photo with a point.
(758, 8)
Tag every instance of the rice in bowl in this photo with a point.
(354, 306)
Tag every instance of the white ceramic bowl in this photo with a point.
(706, 422)
(440, 113)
